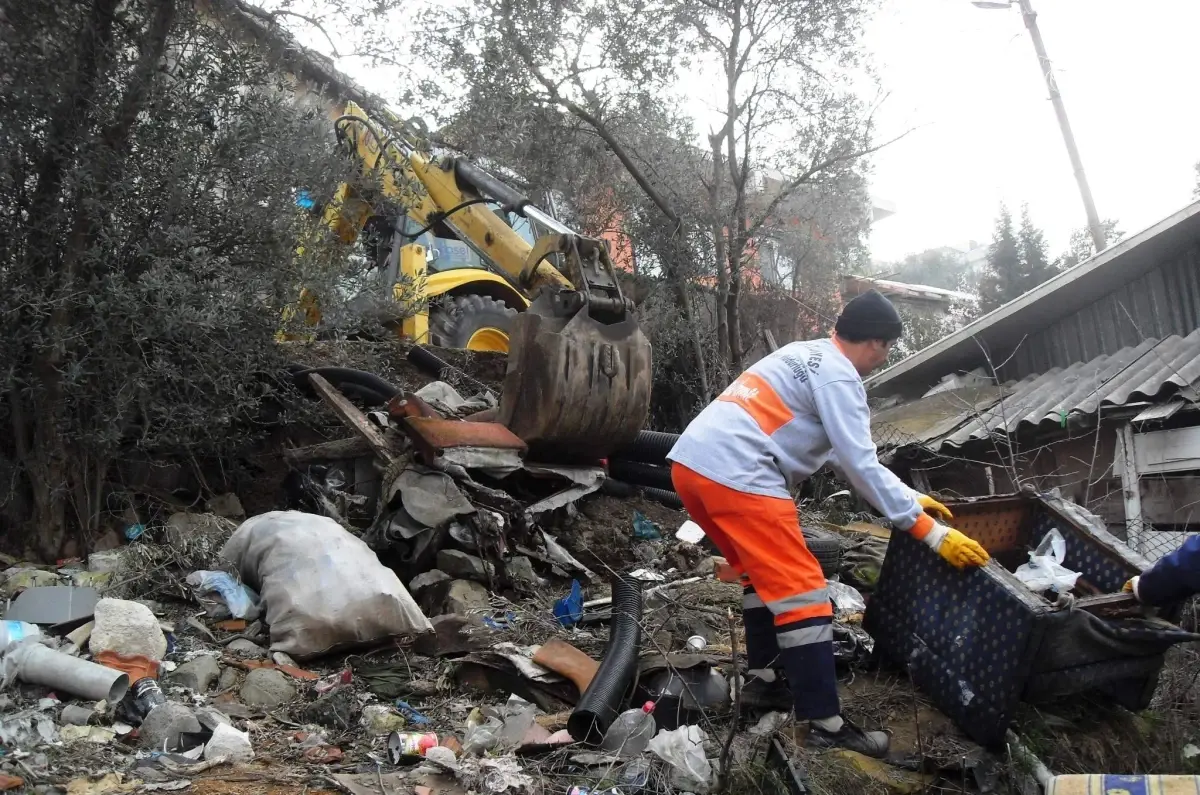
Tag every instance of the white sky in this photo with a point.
(967, 79)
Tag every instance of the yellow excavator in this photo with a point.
(470, 262)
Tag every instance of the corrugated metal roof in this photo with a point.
(1144, 286)
(1154, 369)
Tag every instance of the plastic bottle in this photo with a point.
(13, 632)
(631, 732)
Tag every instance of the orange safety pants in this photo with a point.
(760, 538)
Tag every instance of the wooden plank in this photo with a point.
(354, 447)
(354, 418)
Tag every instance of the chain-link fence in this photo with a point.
(1151, 542)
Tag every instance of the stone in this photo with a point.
(127, 628)
(228, 742)
(246, 648)
(464, 597)
(381, 719)
(338, 710)
(227, 505)
(265, 687)
(76, 714)
(162, 728)
(227, 680)
(462, 566)
(426, 579)
(210, 718)
(520, 568)
(198, 674)
(108, 561)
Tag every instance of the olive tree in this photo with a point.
(148, 230)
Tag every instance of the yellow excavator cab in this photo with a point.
(577, 385)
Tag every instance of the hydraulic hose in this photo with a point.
(427, 362)
(639, 474)
(649, 447)
(359, 383)
(602, 701)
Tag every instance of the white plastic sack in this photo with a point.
(683, 750)
(323, 589)
(1044, 569)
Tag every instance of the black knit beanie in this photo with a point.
(870, 316)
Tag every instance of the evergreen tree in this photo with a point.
(1017, 261)
(1035, 264)
(1000, 284)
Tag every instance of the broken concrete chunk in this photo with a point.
(197, 675)
(426, 579)
(520, 568)
(162, 728)
(268, 688)
(381, 719)
(463, 597)
(462, 566)
(229, 742)
(228, 679)
(227, 505)
(127, 628)
(108, 561)
(247, 648)
(210, 718)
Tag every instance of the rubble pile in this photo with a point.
(444, 616)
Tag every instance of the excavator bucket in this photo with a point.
(576, 388)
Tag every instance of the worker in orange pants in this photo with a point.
(735, 467)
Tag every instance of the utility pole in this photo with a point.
(1089, 205)
(1030, 17)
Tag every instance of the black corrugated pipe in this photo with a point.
(639, 474)
(623, 490)
(426, 361)
(668, 498)
(650, 447)
(601, 703)
(347, 375)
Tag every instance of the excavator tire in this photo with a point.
(474, 322)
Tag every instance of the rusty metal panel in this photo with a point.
(434, 436)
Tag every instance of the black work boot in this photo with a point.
(850, 737)
(762, 696)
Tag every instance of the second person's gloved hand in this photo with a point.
(957, 549)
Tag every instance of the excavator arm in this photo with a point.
(579, 369)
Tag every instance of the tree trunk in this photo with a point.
(719, 248)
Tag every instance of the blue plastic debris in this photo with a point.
(134, 531)
(644, 529)
(411, 715)
(569, 609)
(504, 622)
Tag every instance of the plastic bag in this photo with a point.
(322, 587)
(846, 599)
(1044, 569)
(683, 750)
(241, 601)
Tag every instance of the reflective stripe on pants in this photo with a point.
(759, 536)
